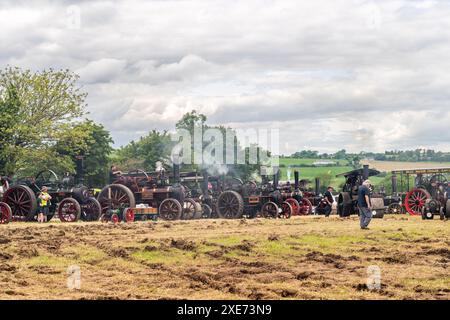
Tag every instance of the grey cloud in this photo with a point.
(337, 74)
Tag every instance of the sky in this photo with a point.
(329, 75)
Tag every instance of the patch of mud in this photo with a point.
(304, 275)
(28, 252)
(4, 240)
(443, 252)
(245, 245)
(397, 259)
(45, 270)
(5, 256)
(329, 258)
(183, 245)
(7, 267)
(273, 237)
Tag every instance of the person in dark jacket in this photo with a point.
(364, 205)
(329, 199)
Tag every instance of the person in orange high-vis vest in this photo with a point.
(44, 205)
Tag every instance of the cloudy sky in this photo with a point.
(354, 74)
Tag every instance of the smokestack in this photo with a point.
(79, 176)
(366, 172)
(394, 184)
(296, 180)
(317, 189)
(176, 172)
(276, 177)
(204, 184)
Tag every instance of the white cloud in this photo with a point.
(330, 74)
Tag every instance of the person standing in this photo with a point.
(329, 199)
(364, 205)
(44, 205)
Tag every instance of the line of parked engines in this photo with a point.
(139, 195)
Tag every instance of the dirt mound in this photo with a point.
(183, 245)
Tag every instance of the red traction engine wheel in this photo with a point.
(295, 206)
(128, 215)
(69, 210)
(305, 207)
(415, 201)
(5, 213)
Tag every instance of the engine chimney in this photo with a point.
(317, 186)
(176, 172)
(394, 184)
(276, 177)
(366, 172)
(296, 180)
(204, 184)
(79, 176)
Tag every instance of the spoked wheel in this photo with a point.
(415, 201)
(128, 215)
(46, 178)
(22, 202)
(305, 207)
(170, 209)
(91, 210)
(395, 208)
(286, 210)
(116, 196)
(115, 218)
(270, 210)
(230, 205)
(189, 209)
(206, 211)
(5, 213)
(295, 206)
(104, 218)
(69, 210)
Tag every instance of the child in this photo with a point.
(44, 205)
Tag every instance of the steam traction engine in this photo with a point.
(71, 200)
(430, 194)
(153, 193)
(300, 200)
(250, 200)
(348, 198)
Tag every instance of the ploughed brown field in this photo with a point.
(300, 258)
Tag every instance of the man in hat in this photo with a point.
(364, 204)
(44, 205)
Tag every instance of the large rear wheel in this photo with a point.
(22, 201)
(91, 210)
(416, 200)
(295, 206)
(270, 210)
(69, 210)
(170, 209)
(286, 210)
(230, 205)
(305, 207)
(189, 209)
(116, 196)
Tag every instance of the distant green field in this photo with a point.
(287, 165)
(310, 173)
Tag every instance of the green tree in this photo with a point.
(144, 153)
(45, 102)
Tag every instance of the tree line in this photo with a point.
(418, 155)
